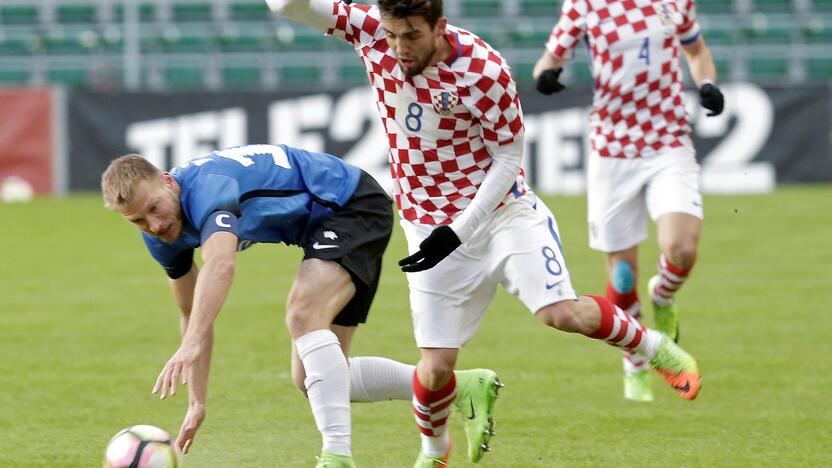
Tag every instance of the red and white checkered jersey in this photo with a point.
(443, 125)
(638, 107)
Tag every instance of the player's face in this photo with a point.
(415, 43)
(156, 209)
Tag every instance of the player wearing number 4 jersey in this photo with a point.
(642, 160)
(232, 198)
(455, 128)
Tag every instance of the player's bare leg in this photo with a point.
(622, 279)
(678, 237)
(308, 317)
(434, 391)
(596, 317)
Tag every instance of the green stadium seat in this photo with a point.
(714, 6)
(522, 71)
(819, 68)
(14, 77)
(822, 5)
(68, 77)
(71, 42)
(771, 34)
(723, 68)
(300, 76)
(774, 6)
(18, 46)
(768, 68)
(352, 74)
(74, 14)
(540, 8)
(184, 77)
(490, 8)
(187, 41)
(719, 33)
(19, 15)
(303, 39)
(581, 73)
(249, 11)
(818, 32)
(241, 77)
(530, 34)
(185, 12)
(247, 42)
(147, 13)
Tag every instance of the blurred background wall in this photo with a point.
(83, 81)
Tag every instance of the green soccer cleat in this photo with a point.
(334, 460)
(637, 386)
(476, 394)
(424, 461)
(664, 316)
(677, 367)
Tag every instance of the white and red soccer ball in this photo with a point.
(141, 446)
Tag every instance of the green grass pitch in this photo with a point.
(86, 323)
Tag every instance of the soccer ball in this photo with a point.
(141, 447)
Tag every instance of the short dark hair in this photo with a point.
(431, 10)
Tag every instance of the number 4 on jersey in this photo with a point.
(644, 53)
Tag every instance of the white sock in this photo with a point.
(376, 379)
(327, 387)
(650, 340)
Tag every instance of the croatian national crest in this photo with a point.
(444, 102)
(669, 14)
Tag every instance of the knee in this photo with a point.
(297, 319)
(436, 372)
(682, 253)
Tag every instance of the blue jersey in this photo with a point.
(262, 193)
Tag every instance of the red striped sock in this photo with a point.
(629, 303)
(432, 408)
(671, 278)
(623, 331)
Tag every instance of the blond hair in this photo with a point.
(119, 181)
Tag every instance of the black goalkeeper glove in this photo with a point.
(436, 246)
(547, 82)
(711, 98)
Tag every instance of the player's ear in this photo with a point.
(441, 24)
(170, 182)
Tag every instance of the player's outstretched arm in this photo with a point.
(703, 71)
(317, 14)
(183, 293)
(211, 288)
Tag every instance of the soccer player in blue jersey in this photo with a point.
(232, 198)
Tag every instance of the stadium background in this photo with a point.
(87, 320)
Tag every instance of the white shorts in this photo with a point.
(622, 192)
(518, 246)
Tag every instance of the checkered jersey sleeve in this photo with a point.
(688, 31)
(356, 23)
(569, 29)
(494, 102)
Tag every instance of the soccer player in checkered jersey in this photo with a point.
(454, 125)
(642, 159)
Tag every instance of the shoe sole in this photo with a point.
(494, 385)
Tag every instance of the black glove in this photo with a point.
(711, 98)
(438, 245)
(547, 82)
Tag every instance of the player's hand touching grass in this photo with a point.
(191, 423)
(177, 367)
